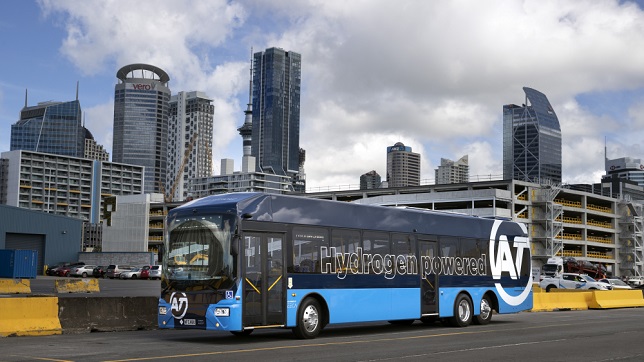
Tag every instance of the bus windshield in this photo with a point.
(198, 248)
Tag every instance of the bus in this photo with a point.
(239, 262)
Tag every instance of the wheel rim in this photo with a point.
(464, 310)
(310, 318)
(486, 310)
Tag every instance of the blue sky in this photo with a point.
(431, 74)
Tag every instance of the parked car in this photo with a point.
(114, 270)
(65, 270)
(151, 272)
(53, 270)
(636, 281)
(616, 283)
(134, 273)
(573, 281)
(99, 271)
(82, 271)
(155, 271)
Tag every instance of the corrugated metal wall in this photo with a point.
(60, 236)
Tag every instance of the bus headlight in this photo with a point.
(163, 310)
(222, 312)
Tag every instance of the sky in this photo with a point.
(433, 75)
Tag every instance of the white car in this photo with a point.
(573, 281)
(616, 283)
(636, 281)
(133, 273)
(82, 271)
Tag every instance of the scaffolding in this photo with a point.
(548, 221)
(631, 251)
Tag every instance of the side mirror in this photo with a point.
(234, 245)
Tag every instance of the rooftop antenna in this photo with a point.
(76, 90)
(25, 97)
(605, 154)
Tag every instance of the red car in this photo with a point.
(145, 272)
(64, 271)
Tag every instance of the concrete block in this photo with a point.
(77, 286)
(603, 299)
(15, 286)
(29, 316)
(87, 314)
(574, 300)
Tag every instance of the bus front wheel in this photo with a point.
(462, 311)
(309, 319)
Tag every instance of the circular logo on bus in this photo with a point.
(178, 304)
(507, 258)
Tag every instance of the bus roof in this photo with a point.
(309, 211)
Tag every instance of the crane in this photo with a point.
(173, 187)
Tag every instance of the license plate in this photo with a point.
(189, 322)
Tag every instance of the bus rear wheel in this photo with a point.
(486, 312)
(462, 311)
(309, 319)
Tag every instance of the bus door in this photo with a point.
(429, 279)
(263, 280)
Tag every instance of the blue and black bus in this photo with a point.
(242, 261)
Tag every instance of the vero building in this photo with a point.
(141, 121)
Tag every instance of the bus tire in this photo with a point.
(486, 312)
(244, 333)
(309, 319)
(462, 311)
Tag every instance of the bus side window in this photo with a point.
(449, 246)
(470, 248)
(306, 249)
(346, 242)
(375, 243)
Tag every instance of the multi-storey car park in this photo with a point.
(570, 221)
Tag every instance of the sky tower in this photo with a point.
(246, 130)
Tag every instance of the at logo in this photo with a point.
(502, 261)
(178, 304)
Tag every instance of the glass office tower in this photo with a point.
(50, 127)
(531, 140)
(276, 111)
(141, 122)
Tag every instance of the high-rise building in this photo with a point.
(403, 166)
(453, 172)
(625, 168)
(276, 111)
(189, 141)
(370, 180)
(141, 121)
(531, 140)
(93, 150)
(69, 186)
(50, 127)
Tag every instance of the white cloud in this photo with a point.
(99, 120)
(433, 75)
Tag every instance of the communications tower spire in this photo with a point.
(246, 130)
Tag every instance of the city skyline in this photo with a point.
(370, 77)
